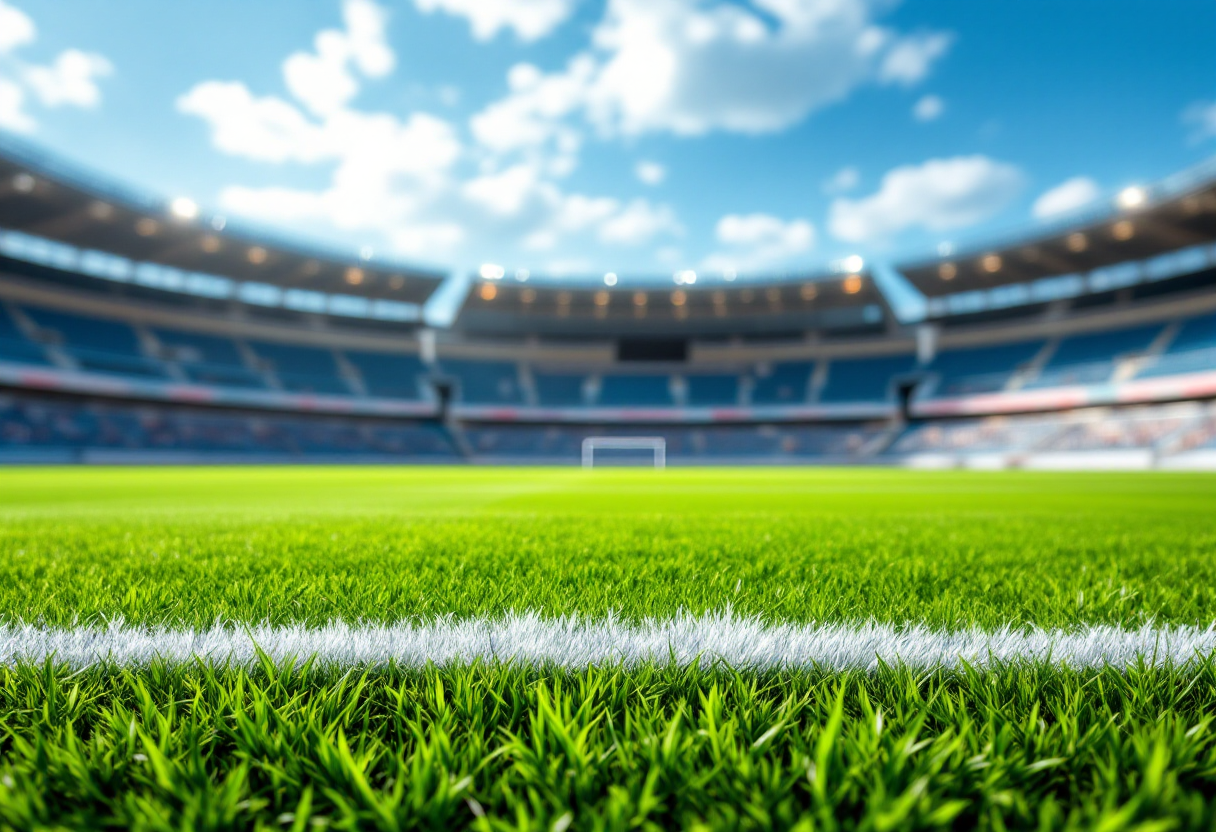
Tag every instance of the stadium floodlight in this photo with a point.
(1132, 197)
(657, 444)
(522, 275)
(610, 279)
(183, 208)
(729, 275)
(853, 264)
(367, 253)
(685, 277)
(491, 271)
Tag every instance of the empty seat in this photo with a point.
(391, 375)
(208, 359)
(970, 370)
(1193, 350)
(636, 390)
(303, 369)
(1090, 358)
(558, 389)
(484, 382)
(864, 379)
(14, 346)
(786, 384)
(709, 390)
(98, 344)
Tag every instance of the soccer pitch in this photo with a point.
(529, 648)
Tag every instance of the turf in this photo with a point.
(489, 746)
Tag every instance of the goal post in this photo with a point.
(656, 444)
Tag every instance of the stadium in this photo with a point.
(132, 334)
(903, 518)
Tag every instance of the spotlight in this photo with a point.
(1132, 197)
(183, 208)
(491, 271)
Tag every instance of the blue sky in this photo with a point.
(637, 136)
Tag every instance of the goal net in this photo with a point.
(656, 445)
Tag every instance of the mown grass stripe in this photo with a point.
(573, 642)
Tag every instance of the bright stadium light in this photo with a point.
(491, 271)
(729, 275)
(183, 208)
(853, 263)
(522, 275)
(1132, 197)
(367, 253)
(610, 279)
(685, 277)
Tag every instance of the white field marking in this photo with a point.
(579, 642)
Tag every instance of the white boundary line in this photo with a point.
(574, 643)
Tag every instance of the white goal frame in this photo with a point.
(625, 443)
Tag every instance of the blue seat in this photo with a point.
(98, 344)
(304, 369)
(1090, 358)
(559, 390)
(711, 390)
(636, 391)
(786, 384)
(391, 375)
(209, 359)
(484, 382)
(980, 369)
(864, 379)
(1193, 350)
(14, 346)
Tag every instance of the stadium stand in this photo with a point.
(208, 359)
(864, 379)
(14, 346)
(143, 356)
(638, 390)
(559, 389)
(786, 383)
(1091, 358)
(961, 372)
(302, 369)
(95, 344)
(393, 376)
(485, 382)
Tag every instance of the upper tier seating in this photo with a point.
(96, 344)
(208, 359)
(303, 369)
(14, 346)
(1090, 359)
(972, 370)
(485, 382)
(1193, 350)
(390, 375)
(636, 391)
(864, 379)
(786, 384)
(712, 390)
(558, 389)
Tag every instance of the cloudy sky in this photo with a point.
(639, 136)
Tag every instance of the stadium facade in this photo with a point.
(133, 330)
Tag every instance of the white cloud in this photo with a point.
(650, 173)
(758, 241)
(530, 19)
(16, 28)
(637, 223)
(265, 129)
(909, 60)
(842, 181)
(938, 195)
(504, 193)
(690, 67)
(70, 80)
(322, 80)
(1065, 197)
(12, 113)
(928, 108)
(1202, 116)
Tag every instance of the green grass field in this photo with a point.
(510, 745)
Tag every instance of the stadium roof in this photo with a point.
(844, 301)
(1139, 224)
(43, 197)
